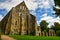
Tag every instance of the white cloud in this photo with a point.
(54, 20)
(47, 18)
(50, 20)
(9, 5)
(31, 4)
(1, 1)
(1, 17)
(46, 4)
(33, 13)
(41, 6)
(44, 15)
(57, 7)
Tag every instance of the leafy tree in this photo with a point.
(43, 25)
(57, 3)
(56, 26)
(58, 33)
(57, 13)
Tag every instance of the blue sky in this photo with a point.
(42, 9)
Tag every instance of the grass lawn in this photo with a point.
(19, 37)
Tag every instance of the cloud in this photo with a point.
(3, 11)
(31, 4)
(8, 5)
(50, 19)
(46, 4)
(1, 1)
(52, 2)
(51, 22)
(44, 15)
(1, 17)
(57, 7)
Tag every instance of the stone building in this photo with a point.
(19, 21)
(38, 31)
(51, 32)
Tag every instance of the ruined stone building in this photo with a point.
(20, 21)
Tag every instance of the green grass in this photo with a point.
(19, 37)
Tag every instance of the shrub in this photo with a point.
(58, 33)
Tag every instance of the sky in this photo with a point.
(42, 9)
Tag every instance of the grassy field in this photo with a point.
(18, 37)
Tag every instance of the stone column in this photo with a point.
(43, 33)
(46, 34)
(40, 33)
(37, 33)
(49, 33)
(52, 34)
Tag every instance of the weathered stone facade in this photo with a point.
(19, 21)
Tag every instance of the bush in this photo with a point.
(58, 33)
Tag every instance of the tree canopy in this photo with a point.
(43, 25)
(57, 11)
(56, 26)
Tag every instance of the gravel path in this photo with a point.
(4, 37)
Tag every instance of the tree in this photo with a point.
(56, 26)
(57, 13)
(58, 33)
(57, 3)
(43, 25)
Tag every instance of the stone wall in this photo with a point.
(51, 32)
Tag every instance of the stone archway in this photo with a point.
(39, 34)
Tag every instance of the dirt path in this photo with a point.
(4, 37)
